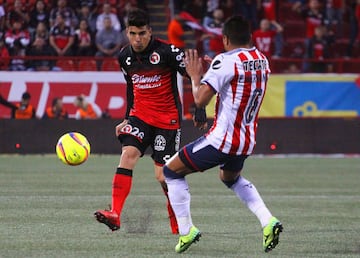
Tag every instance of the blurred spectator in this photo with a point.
(298, 51)
(313, 15)
(38, 14)
(292, 68)
(62, 37)
(269, 8)
(211, 6)
(108, 41)
(228, 8)
(318, 50)
(24, 109)
(334, 11)
(354, 13)
(106, 13)
(2, 18)
(196, 8)
(213, 37)
(4, 55)
(264, 38)
(66, 12)
(83, 40)
(8, 104)
(17, 40)
(40, 47)
(126, 6)
(41, 31)
(175, 32)
(86, 110)
(56, 110)
(18, 13)
(249, 10)
(86, 13)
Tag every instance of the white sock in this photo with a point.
(248, 194)
(179, 195)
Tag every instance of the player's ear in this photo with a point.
(225, 40)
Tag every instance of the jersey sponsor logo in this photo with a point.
(216, 65)
(159, 143)
(133, 130)
(146, 82)
(154, 58)
(254, 65)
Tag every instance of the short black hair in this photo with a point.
(26, 95)
(55, 101)
(237, 29)
(138, 17)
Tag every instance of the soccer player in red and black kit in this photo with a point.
(153, 114)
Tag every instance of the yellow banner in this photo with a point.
(275, 99)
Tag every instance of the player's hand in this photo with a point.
(193, 63)
(200, 119)
(120, 126)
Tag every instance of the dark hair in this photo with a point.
(237, 29)
(138, 18)
(54, 101)
(26, 95)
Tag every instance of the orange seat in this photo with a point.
(110, 65)
(87, 65)
(66, 64)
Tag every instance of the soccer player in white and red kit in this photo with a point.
(238, 79)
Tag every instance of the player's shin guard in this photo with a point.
(249, 195)
(120, 188)
(179, 196)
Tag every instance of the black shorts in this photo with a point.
(163, 142)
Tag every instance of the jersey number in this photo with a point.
(250, 112)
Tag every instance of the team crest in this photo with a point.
(154, 58)
(159, 143)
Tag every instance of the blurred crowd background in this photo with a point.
(301, 36)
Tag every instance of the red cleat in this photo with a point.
(109, 218)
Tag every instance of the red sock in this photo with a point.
(173, 222)
(120, 188)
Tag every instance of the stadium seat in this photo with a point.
(66, 64)
(87, 65)
(110, 65)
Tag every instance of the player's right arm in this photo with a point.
(129, 93)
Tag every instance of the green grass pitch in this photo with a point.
(46, 209)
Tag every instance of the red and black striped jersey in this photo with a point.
(152, 88)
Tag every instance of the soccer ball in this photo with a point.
(73, 148)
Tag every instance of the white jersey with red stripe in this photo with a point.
(239, 77)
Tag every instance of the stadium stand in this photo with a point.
(345, 56)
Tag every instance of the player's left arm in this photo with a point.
(202, 92)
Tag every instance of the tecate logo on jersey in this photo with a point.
(146, 82)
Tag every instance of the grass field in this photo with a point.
(46, 209)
